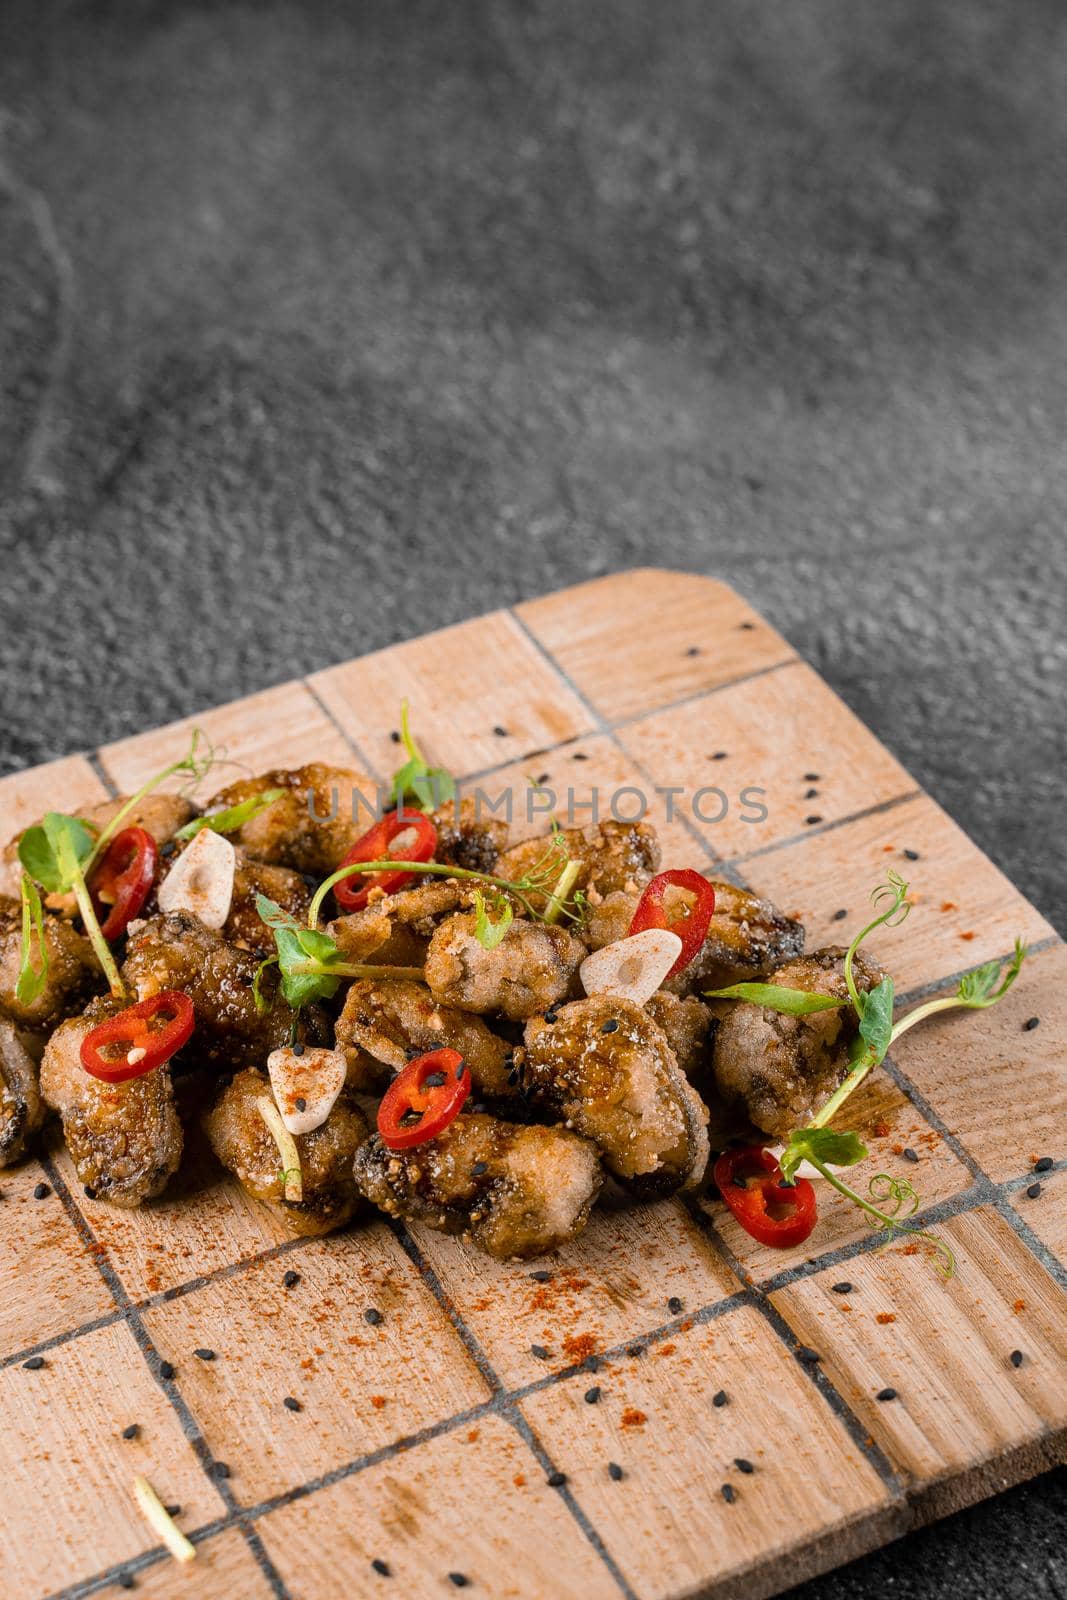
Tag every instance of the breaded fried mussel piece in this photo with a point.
(533, 967)
(782, 1068)
(387, 1020)
(72, 974)
(179, 952)
(396, 929)
(615, 856)
(512, 1191)
(244, 1144)
(312, 826)
(604, 1067)
(125, 1139)
(747, 938)
(21, 1106)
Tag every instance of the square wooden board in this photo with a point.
(662, 1367)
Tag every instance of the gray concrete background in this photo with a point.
(325, 324)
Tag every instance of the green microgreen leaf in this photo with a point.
(52, 851)
(416, 782)
(794, 1002)
(489, 933)
(303, 955)
(876, 1019)
(233, 817)
(31, 979)
(978, 989)
(820, 1144)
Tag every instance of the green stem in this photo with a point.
(841, 1093)
(440, 869)
(186, 764)
(564, 884)
(889, 1225)
(351, 969)
(948, 1003)
(96, 938)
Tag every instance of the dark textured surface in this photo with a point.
(321, 325)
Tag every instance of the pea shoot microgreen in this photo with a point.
(416, 782)
(32, 977)
(889, 1199)
(309, 962)
(197, 762)
(55, 853)
(233, 817)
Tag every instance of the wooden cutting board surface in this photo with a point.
(425, 1441)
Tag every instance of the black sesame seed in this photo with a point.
(886, 1394)
(747, 627)
(592, 1395)
(291, 1279)
(556, 1480)
(812, 777)
(460, 1579)
(542, 777)
(615, 1472)
(844, 1287)
(173, 1511)
(811, 794)
(551, 1015)
(1016, 1358)
(728, 1493)
(372, 1315)
(131, 1431)
(166, 1370)
(1033, 1191)
(204, 1354)
(806, 1354)
(381, 1567)
(674, 1304)
(1031, 1023)
(720, 1399)
(126, 1580)
(460, 1070)
(718, 755)
(811, 821)
(41, 1191)
(911, 855)
(394, 734)
(1044, 1165)
(34, 1364)
(479, 1169)
(611, 1026)
(635, 1350)
(500, 732)
(579, 755)
(743, 1466)
(300, 1103)
(435, 1080)
(89, 1192)
(292, 1404)
(910, 1154)
(539, 1351)
(591, 1364)
(694, 650)
(298, 1047)
(220, 1469)
(167, 848)
(839, 916)
(541, 1277)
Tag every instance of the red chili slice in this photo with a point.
(157, 1027)
(123, 880)
(690, 925)
(775, 1213)
(353, 893)
(412, 1095)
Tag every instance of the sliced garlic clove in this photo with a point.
(632, 968)
(314, 1079)
(201, 880)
